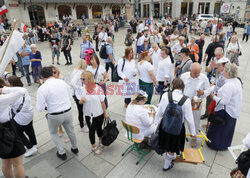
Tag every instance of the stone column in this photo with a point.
(176, 8)
(142, 10)
(211, 8)
(73, 12)
(195, 7)
(90, 12)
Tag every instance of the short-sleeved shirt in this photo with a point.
(85, 46)
(109, 50)
(185, 66)
(36, 56)
(25, 59)
(100, 73)
(144, 69)
(54, 43)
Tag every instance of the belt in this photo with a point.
(57, 113)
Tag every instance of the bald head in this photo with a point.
(195, 70)
(219, 53)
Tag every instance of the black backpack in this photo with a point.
(103, 54)
(243, 162)
(110, 132)
(173, 116)
(115, 77)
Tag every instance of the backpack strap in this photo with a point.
(170, 97)
(183, 100)
(123, 64)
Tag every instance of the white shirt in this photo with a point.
(144, 69)
(137, 115)
(177, 48)
(186, 110)
(156, 57)
(100, 73)
(154, 39)
(44, 30)
(194, 84)
(103, 36)
(92, 106)
(129, 69)
(173, 42)
(25, 116)
(164, 70)
(230, 96)
(140, 40)
(233, 46)
(6, 100)
(76, 81)
(54, 94)
(141, 27)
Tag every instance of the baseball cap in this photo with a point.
(223, 60)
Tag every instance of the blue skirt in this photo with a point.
(221, 136)
(138, 49)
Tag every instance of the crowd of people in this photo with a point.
(164, 59)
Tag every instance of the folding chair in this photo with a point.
(130, 131)
(194, 156)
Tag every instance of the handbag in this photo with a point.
(239, 48)
(115, 77)
(110, 132)
(212, 117)
(7, 138)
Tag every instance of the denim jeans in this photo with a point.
(27, 72)
(110, 65)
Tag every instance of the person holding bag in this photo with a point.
(234, 50)
(229, 101)
(94, 109)
(13, 156)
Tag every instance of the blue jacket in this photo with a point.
(248, 29)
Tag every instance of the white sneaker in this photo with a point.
(85, 129)
(30, 152)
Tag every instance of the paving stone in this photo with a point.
(219, 171)
(91, 162)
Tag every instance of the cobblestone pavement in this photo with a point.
(111, 163)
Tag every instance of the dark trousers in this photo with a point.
(27, 72)
(96, 45)
(67, 55)
(161, 88)
(29, 131)
(13, 69)
(110, 65)
(79, 33)
(245, 35)
(96, 125)
(80, 111)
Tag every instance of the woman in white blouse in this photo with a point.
(127, 69)
(76, 84)
(174, 144)
(14, 158)
(94, 109)
(100, 74)
(174, 38)
(147, 79)
(138, 115)
(228, 106)
(234, 50)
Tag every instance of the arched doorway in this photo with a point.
(97, 11)
(80, 10)
(64, 10)
(37, 16)
(116, 10)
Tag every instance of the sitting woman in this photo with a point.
(228, 106)
(138, 115)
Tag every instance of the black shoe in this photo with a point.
(62, 157)
(67, 63)
(170, 167)
(204, 116)
(70, 63)
(58, 63)
(75, 151)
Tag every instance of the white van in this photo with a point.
(205, 17)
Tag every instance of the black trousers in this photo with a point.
(79, 33)
(29, 131)
(80, 111)
(96, 44)
(110, 65)
(95, 126)
(245, 35)
(13, 69)
(67, 55)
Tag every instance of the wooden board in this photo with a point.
(191, 156)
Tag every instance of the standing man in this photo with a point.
(200, 42)
(110, 61)
(66, 42)
(235, 24)
(86, 45)
(54, 44)
(197, 87)
(55, 97)
(24, 53)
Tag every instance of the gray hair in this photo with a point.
(109, 39)
(33, 46)
(232, 70)
(218, 50)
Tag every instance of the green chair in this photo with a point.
(130, 131)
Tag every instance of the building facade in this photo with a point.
(42, 12)
(179, 8)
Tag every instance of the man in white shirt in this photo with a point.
(197, 88)
(55, 97)
(140, 27)
(164, 71)
(155, 52)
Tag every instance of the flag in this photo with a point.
(3, 10)
(23, 28)
(16, 42)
